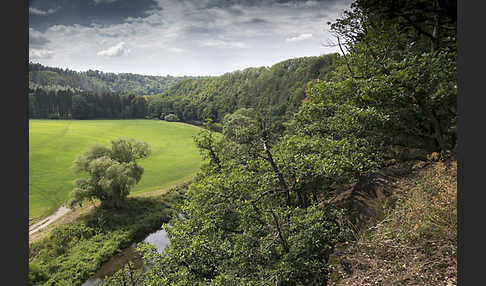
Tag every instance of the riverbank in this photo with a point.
(36, 233)
(75, 250)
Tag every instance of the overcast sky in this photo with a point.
(177, 37)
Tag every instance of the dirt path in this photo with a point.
(74, 214)
(48, 220)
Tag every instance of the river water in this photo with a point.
(158, 239)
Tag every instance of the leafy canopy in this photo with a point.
(112, 172)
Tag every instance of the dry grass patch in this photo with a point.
(415, 243)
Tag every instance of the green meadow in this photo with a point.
(55, 144)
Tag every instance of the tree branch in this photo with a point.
(279, 231)
(346, 60)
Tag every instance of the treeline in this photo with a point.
(279, 89)
(69, 104)
(92, 80)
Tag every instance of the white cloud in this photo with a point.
(36, 11)
(40, 54)
(299, 38)
(223, 44)
(175, 50)
(306, 4)
(115, 51)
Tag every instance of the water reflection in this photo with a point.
(158, 239)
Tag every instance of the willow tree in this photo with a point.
(112, 172)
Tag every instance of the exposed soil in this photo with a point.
(48, 220)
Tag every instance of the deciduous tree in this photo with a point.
(112, 172)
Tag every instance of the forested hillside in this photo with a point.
(277, 90)
(56, 78)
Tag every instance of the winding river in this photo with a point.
(158, 239)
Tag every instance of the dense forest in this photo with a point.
(278, 90)
(69, 104)
(293, 135)
(92, 80)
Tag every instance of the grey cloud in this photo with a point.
(235, 11)
(223, 44)
(202, 30)
(97, 2)
(257, 21)
(182, 37)
(36, 39)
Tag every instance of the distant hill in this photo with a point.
(93, 80)
(278, 90)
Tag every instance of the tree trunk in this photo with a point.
(280, 232)
(281, 179)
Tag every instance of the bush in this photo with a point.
(53, 116)
(37, 274)
(171, 117)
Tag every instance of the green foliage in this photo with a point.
(37, 274)
(171, 117)
(67, 104)
(127, 275)
(241, 126)
(209, 145)
(112, 172)
(278, 90)
(96, 81)
(74, 252)
(235, 222)
(222, 235)
(402, 58)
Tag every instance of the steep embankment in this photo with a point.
(413, 235)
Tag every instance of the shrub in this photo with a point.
(171, 117)
(53, 116)
(37, 273)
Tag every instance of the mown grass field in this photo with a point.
(55, 144)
